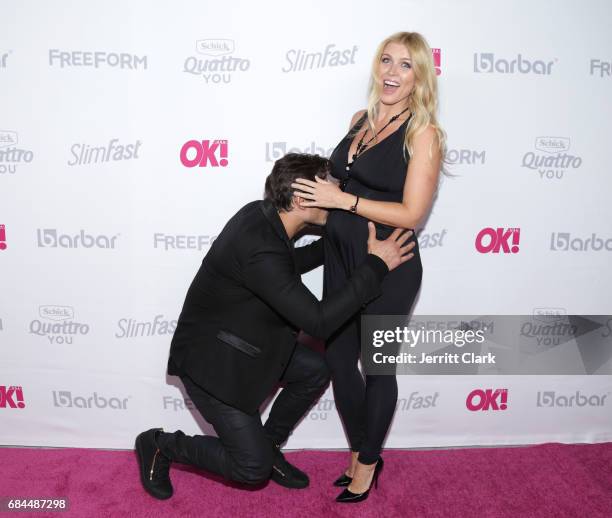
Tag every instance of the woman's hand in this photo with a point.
(322, 193)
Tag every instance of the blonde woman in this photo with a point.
(387, 167)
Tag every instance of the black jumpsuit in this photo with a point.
(379, 173)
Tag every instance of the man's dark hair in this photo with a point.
(286, 169)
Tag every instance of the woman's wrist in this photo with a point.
(347, 201)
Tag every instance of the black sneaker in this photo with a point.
(154, 466)
(286, 474)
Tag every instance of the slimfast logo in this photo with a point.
(58, 325)
(417, 401)
(221, 66)
(11, 396)
(182, 241)
(203, 153)
(482, 400)
(132, 328)
(85, 154)
(553, 399)
(568, 242)
(551, 158)
(12, 157)
(276, 150)
(487, 62)
(66, 399)
(494, 240)
(51, 238)
(299, 60)
(431, 239)
(96, 59)
(601, 68)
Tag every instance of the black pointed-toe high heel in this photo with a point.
(349, 497)
(343, 481)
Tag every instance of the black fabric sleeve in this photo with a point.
(310, 256)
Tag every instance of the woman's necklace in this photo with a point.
(362, 146)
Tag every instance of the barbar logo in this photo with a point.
(487, 399)
(62, 329)
(299, 60)
(417, 401)
(486, 62)
(555, 161)
(498, 239)
(565, 242)
(96, 59)
(12, 157)
(65, 399)
(603, 68)
(552, 399)
(84, 154)
(207, 152)
(437, 59)
(276, 150)
(49, 238)
(222, 66)
(3, 237)
(177, 404)
(182, 242)
(431, 239)
(130, 328)
(465, 157)
(11, 397)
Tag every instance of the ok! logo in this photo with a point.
(202, 153)
(498, 239)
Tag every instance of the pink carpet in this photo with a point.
(550, 480)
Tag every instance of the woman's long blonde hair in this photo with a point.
(423, 100)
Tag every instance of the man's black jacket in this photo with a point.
(245, 306)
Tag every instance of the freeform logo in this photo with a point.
(207, 152)
(65, 399)
(565, 242)
(437, 59)
(62, 329)
(97, 59)
(603, 68)
(552, 399)
(495, 239)
(84, 154)
(182, 242)
(299, 60)
(12, 157)
(2, 237)
(431, 239)
(465, 157)
(130, 328)
(488, 399)
(555, 160)
(485, 62)
(177, 404)
(11, 397)
(276, 150)
(417, 401)
(49, 238)
(221, 67)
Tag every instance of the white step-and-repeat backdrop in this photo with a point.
(131, 131)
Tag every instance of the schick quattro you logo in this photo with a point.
(487, 62)
(11, 156)
(551, 158)
(219, 66)
(57, 325)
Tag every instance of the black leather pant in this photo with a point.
(243, 451)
